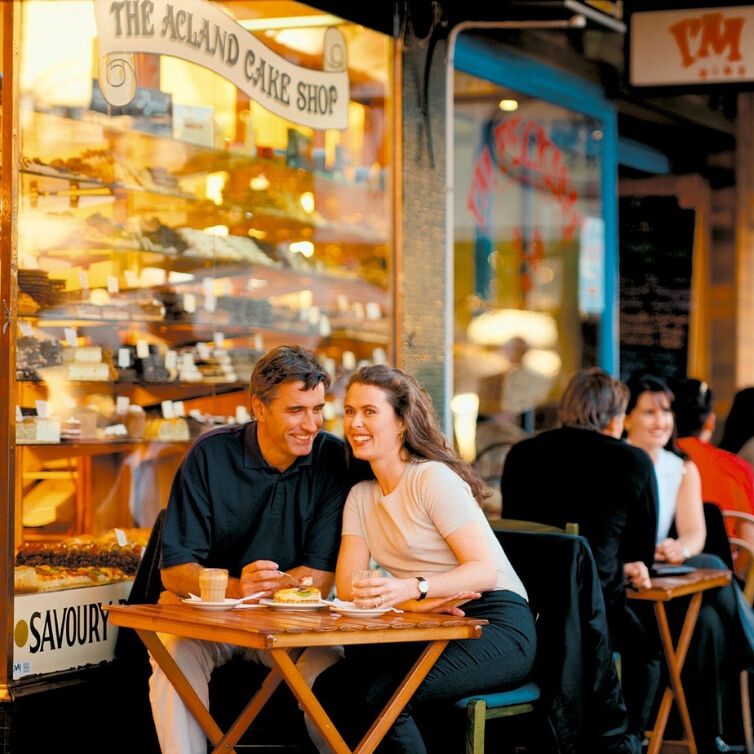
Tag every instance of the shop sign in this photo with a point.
(201, 33)
(66, 629)
(692, 46)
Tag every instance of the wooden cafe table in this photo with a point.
(664, 589)
(280, 632)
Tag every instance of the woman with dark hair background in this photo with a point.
(738, 434)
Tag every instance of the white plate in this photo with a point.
(228, 604)
(293, 605)
(348, 608)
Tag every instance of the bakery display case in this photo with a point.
(160, 248)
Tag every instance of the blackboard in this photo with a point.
(656, 250)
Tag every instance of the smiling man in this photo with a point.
(258, 499)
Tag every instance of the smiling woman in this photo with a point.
(420, 520)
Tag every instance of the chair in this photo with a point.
(743, 557)
(574, 684)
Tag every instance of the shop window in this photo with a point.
(165, 241)
(529, 255)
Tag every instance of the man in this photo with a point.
(583, 473)
(259, 499)
(727, 480)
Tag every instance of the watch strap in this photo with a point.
(423, 587)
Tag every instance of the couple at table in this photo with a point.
(268, 497)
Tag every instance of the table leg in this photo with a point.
(311, 706)
(182, 686)
(401, 697)
(674, 659)
(249, 713)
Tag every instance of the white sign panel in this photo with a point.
(204, 34)
(692, 46)
(65, 629)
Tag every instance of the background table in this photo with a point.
(663, 590)
(280, 631)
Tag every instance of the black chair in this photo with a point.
(574, 687)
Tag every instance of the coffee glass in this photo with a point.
(213, 583)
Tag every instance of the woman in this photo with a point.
(420, 520)
(738, 436)
(650, 424)
(716, 653)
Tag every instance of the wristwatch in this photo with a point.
(423, 587)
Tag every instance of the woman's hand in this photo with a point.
(383, 591)
(670, 551)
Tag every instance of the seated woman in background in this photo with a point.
(718, 649)
(421, 521)
(738, 434)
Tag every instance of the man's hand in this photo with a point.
(450, 605)
(262, 576)
(637, 575)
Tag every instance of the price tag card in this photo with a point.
(242, 414)
(258, 342)
(84, 280)
(142, 349)
(19, 414)
(25, 328)
(171, 359)
(187, 360)
(167, 410)
(202, 350)
(120, 537)
(373, 310)
(379, 356)
(178, 408)
(112, 284)
(42, 409)
(358, 310)
(209, 303)
(71, 337)
(121, 405)
(124, 358)
(189, 302)
(349, 360)
(218, 337)
(132, 279)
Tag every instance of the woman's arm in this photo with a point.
(689, 519)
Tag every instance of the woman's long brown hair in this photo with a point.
(423, 438)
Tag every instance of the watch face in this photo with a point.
(423, 586)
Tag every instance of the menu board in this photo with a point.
(656, 250)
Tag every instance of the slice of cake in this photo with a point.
(299, 594)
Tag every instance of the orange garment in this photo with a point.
(727, 480)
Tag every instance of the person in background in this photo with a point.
(261, 499)
(718, 646)
(581, 472)
(419, 518)
(727, 480)
(738, 433)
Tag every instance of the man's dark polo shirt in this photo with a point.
(228, 507)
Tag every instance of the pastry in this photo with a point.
(299, 595)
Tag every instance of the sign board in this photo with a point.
(66, 629)
(692, 46)
(197, 31)
(656, 249)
